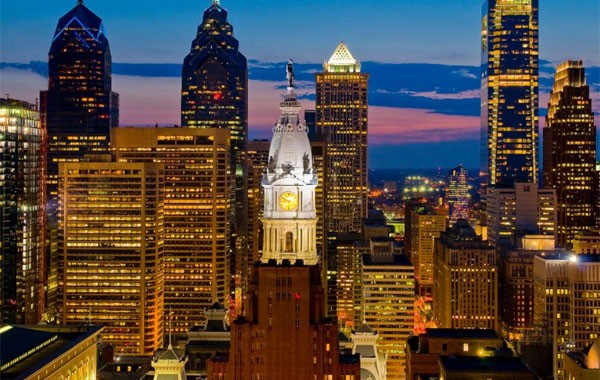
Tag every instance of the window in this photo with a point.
(465, 347)
(289, 242)
(444, 347)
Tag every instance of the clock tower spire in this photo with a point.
(290, 219)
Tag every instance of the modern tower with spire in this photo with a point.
(214, 94)
(285, 298)
(342, 119)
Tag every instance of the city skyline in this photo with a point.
(414, 105)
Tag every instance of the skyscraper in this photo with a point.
(21, 213)
(111, 251)
(214, 94)
(458, 194)
(195, 241)
(509, 91)
(388, 296)
(341, 107)
(570, 152)
(465, 291)
(285, 300)
(425, 227)
(79, 107)
(566, 302)
(76, 112)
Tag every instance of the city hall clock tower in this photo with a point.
(290, 218)
(283, 332)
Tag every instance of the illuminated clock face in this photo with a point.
(288, 201)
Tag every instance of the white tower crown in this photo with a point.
(289, 184)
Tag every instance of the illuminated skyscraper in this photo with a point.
(285, 300)
(388, 296)
(566, 302)
(570, 152)
(76, 112)
(110, 251)
(79, 107)
(21, 213)
(425, 227)
(196, 214)
(509, 91)
(258, 157)
(458, 194)
(214, 94)
(465, 291)
(522, 208)
(342, 108)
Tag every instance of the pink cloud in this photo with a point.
(388, 125)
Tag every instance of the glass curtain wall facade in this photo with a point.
(21, 213)
(509, 88)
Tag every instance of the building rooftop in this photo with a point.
(391, 259)
(462, 333)
(483, 364)
(26, 349)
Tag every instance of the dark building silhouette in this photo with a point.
(570, 152)
(214, 94)
(509, 92)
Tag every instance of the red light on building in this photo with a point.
(218, 96)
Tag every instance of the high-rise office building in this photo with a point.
(425, 227)
(525, 207)
(285, 301)
(570, 152)
(465, 292)
(110, 251)
(79, 107)
(257, 157)
(567, 302)
(457, 194)
(341, 108)
(509, 92)
(516, 295)
(388, 296)
(76, 112)
(21, 213)
(214, 94)
(196, 214)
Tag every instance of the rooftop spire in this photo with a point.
(216, 2)
(80, 2)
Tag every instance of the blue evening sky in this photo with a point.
(434, 31)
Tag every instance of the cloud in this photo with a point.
(465, 73)
(467, 94)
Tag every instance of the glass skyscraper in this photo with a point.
(509, 91)
(77, 111)
(21, 214)
(214, 94)
(79, 107)
(570, 152)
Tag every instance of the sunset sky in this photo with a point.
(423, 58)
